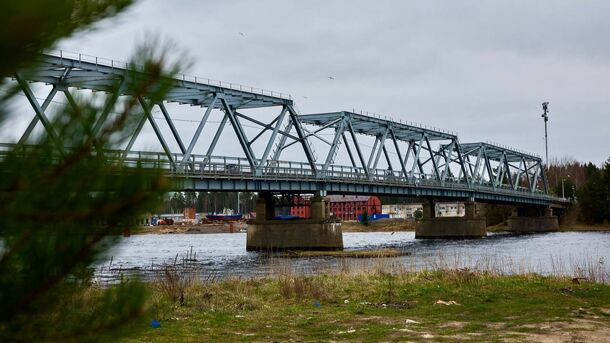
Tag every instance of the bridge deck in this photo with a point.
(216, 173)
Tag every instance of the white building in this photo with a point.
(401, 211)
(449, 209)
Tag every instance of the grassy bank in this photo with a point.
(443, 305)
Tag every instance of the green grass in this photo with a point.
(284, 308)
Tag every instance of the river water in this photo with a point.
(223, 255)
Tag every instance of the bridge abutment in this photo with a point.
(533, 219)
(471, 225)
(316, 233)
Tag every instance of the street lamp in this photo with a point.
(545, 108)
(563, 192)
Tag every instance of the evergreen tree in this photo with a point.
(63, 205)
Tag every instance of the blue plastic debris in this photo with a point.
(155, 324)
(317, 304)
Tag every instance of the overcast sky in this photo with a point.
(481, 68)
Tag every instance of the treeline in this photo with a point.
(587, 183)
(594, 196)
(209, 202)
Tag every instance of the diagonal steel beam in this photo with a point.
(282, 143)
(339, 130)
(32, 125)
(509, 175)
(267, 127)
(387, 157)
(134, 136)
(109, 105)
(204, 120)
(39, 111)
(147, 108)
(397, 149)
(432, 157)
(475, 174)
(349, 150)
(172, 128)
(448, 160)
(518, 176)
(45, 104)
(280, 120)
(462, 163)
(355, 140)
(217, 135)
(500, 172)
(373, 153)
(239, 132)
(534, 182)
(381, 146)
(490, 171)
(416, 153)
(304, 142)
(407, 153)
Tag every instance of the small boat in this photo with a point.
(223, 217)
(226, 215)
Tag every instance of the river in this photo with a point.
(224, 255)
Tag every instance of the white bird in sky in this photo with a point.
(242, 34)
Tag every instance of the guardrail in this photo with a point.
(236, 167)
(107, 62)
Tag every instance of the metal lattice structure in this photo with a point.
(502, 167)
(405, 159)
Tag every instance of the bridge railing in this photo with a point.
(68, 55)
(236, 167)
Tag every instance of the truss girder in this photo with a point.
(513, 169)
(425, 156)
(101, 77)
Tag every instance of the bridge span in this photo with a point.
(288, 152)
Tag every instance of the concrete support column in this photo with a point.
(319, 208)
(470, 210)
(264, 207)
(428, 209)
(469, 226)
(316, 233)
(533, 219)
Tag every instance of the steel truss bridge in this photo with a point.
(405, 159)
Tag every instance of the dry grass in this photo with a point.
(376, 253)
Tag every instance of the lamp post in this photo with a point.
(545, 108)
(563, 191)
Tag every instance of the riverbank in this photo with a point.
(451, 305)
(191, 228)
(384, 225)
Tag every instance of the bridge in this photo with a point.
(294, 153)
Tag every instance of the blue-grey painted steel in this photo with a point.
(493, 177)
(102, 74)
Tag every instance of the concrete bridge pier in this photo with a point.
(533, 219)
(471, 225)
(316, 233)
